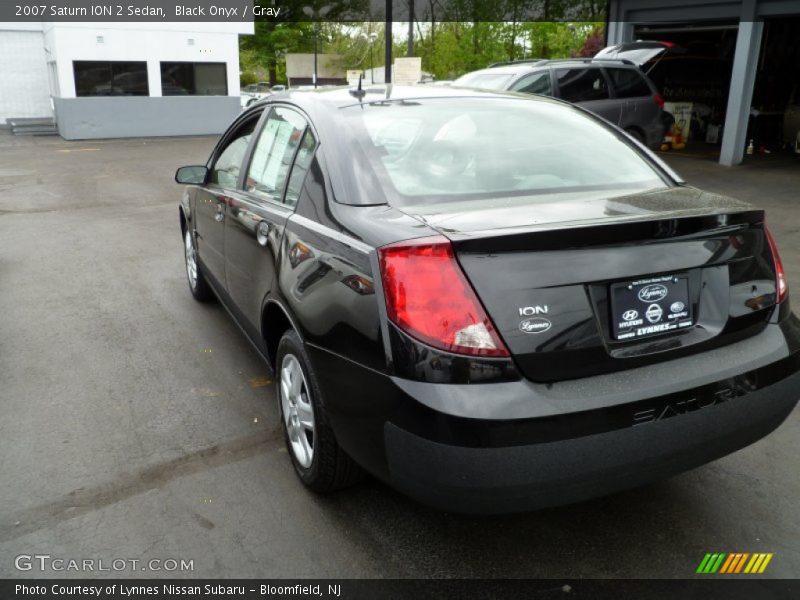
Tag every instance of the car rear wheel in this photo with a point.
(318, 459)
(197, 282)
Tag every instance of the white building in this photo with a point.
(103, 80)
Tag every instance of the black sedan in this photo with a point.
(491, 302)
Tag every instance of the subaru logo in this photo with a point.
(629, 315)
(653, 293)
(535, 325)
(677, 307)
(654, 313)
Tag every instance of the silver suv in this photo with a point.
(614, 89)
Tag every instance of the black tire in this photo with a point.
(636, 134)
(199, 287)
(330, 468)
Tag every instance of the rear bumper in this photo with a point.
(531, 476)
(514, 446)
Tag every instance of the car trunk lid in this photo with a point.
(639, 53)
(560, 274)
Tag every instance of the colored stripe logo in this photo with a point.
(734, 563)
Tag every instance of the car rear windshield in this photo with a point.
(448, 149)
(628, 83)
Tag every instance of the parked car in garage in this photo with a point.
(490, 301)
(614, 89)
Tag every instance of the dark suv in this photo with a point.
(614, 89)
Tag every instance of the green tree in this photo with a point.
(270, 42)
(352, 43)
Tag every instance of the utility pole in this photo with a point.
(410, 28)
(316, 35)
(370, 39)
(387, 69)
(316, 15)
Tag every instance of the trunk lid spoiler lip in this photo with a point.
(588, 224)
(462, 240)
(644, 208)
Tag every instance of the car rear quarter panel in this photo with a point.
(328, 269)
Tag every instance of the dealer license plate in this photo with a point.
(650, 306)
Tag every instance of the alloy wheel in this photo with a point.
(298, 414)
(191, 259)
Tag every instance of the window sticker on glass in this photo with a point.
(273, 154)
(283, 135)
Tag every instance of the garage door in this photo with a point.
(24, 91)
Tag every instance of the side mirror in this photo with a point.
(195, 175)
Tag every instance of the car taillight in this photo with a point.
(659, 100)
(780, 275)
(428, 297)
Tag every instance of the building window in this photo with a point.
(194, 79)
(107, 78)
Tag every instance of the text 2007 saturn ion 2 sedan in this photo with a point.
(491, 302)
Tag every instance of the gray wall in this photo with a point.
(144, 116)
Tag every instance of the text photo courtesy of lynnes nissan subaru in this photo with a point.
(399, 298)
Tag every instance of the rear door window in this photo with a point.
(628, 83)
(537, 83)
(300, 168)
(581, 85)
(274, 152)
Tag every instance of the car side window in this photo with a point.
(300, 168)
(537, 83)
(628, 83)
(580, 85)
(273, 154)
(225, 172)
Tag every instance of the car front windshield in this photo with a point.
(486, 80)
(460, 149)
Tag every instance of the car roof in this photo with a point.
(535, 65)
(507, 69)
(344, 96)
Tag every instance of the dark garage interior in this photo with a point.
(777, 88)
(698, 71)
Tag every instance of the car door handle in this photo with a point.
(262, 233)
(220, 214)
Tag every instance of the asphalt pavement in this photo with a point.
(137, 424)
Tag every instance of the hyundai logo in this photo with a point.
(654, 313)
(653, 293)
(630, 315)
(535, 325)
